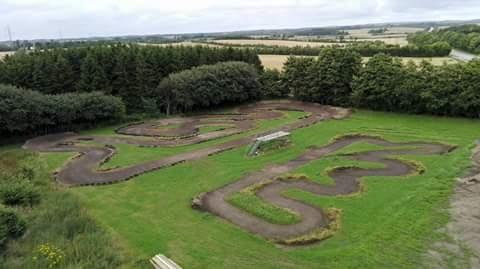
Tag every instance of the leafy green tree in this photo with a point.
(271, 84)
(295, 72)
(325, 80)
(375, 85)
(93, 77)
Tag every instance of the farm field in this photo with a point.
(285, 43)
(277, 61)
(391, 40)
(184, 43)
(391, 31)
(393, 35)
(151, 213)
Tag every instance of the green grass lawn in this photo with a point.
(390, 225)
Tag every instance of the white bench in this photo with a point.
(162, 262)
(266, 138)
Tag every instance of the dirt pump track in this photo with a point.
(83, 169)
(346, 182)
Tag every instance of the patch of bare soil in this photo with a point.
(461, 249)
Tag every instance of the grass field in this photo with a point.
(389, 225)
(277, 61)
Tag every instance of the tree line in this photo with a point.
(128, 71)
(365, 49)
(465, 37)
(337, 77)
(26, 112)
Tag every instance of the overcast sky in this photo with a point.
(30, 19)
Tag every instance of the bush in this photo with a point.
(19, 192)
(209, 85)
(11, 226)
(60, 233)
(27, 112)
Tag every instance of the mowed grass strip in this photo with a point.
(391, 225)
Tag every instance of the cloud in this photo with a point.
(51, 18)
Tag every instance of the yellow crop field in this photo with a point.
(284, 43)
(398, 40)
(277, 61)
(184, 43)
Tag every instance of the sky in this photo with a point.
(34, 19)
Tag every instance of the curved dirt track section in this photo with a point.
(83, 169)
(346, 182)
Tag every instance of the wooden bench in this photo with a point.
(162, 262)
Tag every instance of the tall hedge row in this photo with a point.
(128, 71)
(365, 49)
(208, 86)
(28, 112)
(385, 83)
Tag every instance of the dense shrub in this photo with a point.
(18, 192)
(385, 83)
(128, 71)
(59, 225)
(11, 226)
(326, 79)
(450, 90)
(271, 85)
(465, 37)
(208, 86)
(25, 111)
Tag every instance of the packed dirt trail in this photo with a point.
(346, 182)
(83, 169)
